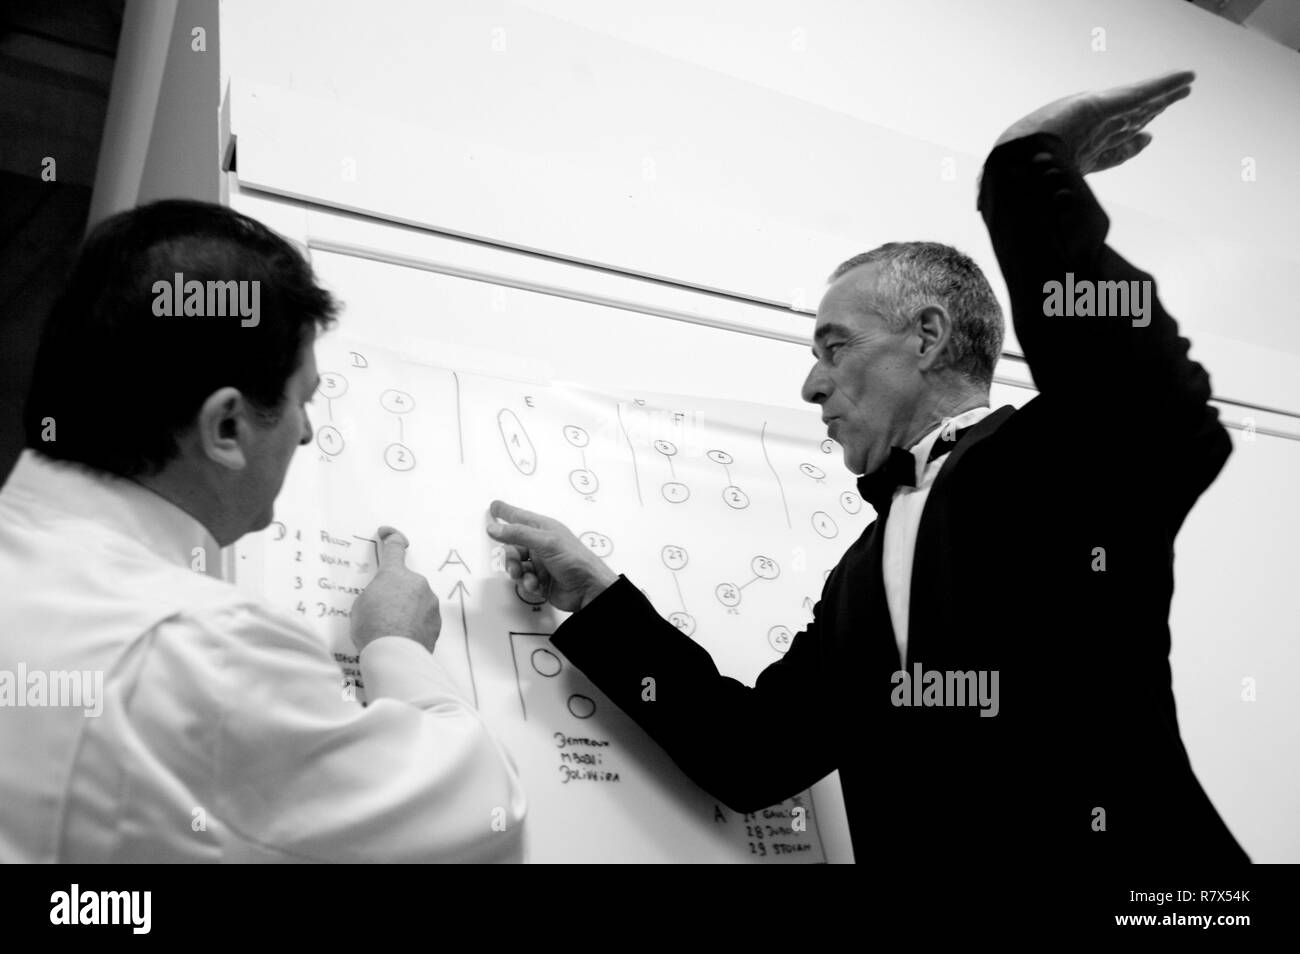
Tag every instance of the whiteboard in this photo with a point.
(727, 514)
(729, 517)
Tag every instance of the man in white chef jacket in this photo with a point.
(150, 711)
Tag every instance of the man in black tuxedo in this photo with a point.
(1023, 555)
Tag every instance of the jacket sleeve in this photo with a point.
(1124, 381)
(749, 747)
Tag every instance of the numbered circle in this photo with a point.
(736, 498)
(828, 446)
(765, 568)
(576, 436)
(675, 558)
(329, 439)
(667, 448)
(332, 385)
(683, 621)
(813, 471)
(597, 543)
(581, 707)
(721, 457)
(780, 638)
(399, 402)
(850, 501)
(728, 594)
(399, 457)
(546, 663)
(824, 525)
(278, 529)
(584, 481)
(675, 492)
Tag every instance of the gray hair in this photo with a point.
(914, 275)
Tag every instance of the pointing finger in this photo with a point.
(392, 547)
(504, 511)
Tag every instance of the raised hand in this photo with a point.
(1104, 129)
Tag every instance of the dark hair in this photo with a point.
(916, 274)
(120, 382)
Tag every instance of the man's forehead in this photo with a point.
(849, 300)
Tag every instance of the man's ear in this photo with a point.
(224, 428)
(933, 328)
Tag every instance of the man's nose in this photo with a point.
(815, 388)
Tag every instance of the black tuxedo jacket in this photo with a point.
(1045, 553)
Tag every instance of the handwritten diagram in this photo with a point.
(728, 517)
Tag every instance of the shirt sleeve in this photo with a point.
(301, 769)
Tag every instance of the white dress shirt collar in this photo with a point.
(116, 503)
(921, 449)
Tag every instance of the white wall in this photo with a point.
(752, 146)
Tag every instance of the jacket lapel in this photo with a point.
(930, 608)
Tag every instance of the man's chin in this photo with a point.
(855, 462)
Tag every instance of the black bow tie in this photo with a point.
(877, 488)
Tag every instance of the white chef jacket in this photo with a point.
(224, 732)
(904, 524)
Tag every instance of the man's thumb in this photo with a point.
(392, 548)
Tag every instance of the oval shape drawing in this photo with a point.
(518, 445)
(676, 492)
(780, 638)
(736, 498)
(728, 594)
(329, 439)
(675, 558)
(399, 402)
(332, 385)
(546, 663)
(721, 457)
(581, 707)
(667, 448)
(576, 436)
(597, 543)
(850, 501)
(399, 457)
(531, 601)
(683, 621)
(584, 481)
(813, 471)
(765, 568)
(828, 446)
(824, 525)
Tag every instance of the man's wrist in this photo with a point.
(603, 582)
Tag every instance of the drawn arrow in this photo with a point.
(458, 591)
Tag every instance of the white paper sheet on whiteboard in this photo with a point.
(728, 516)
